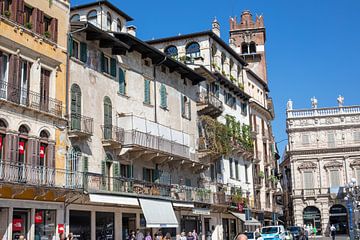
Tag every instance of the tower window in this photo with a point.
(244, 48)
(252, 47)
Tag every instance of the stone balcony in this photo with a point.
(318, 192)
(209, 104)
(321, 112)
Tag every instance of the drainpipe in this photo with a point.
(154, 74)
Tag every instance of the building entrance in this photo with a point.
(312, 217)
(338, 218)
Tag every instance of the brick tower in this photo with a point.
(248, 39)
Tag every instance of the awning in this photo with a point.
(241, 216)
(113, 199)
(184, 205)
(158, 214)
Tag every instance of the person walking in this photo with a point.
(148, 236)
(315, 231)
(139, 235)
(183, 236)
(167, 236)
(195, 235)
(333, 231)
(190, 236)
(302, 236)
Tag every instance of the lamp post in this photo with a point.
(352, 196)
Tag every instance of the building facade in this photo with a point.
(33, 46)
(322, 155)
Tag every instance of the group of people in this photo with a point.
(138, 235)
(310, 230)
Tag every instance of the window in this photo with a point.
(126, 171)
(122, 83)
(47, 24)
(357, 172)
(244, 48)
(308, 180)
(108, 21)
(252, 47)
(75, 107)
(212, 172)
(334, 178)
(148, 175)
(188, 182)
(107, 118)
(105, 222)
(108, 65)
(193, 50)
(163, 96)
(237, 170)
(357, 136)
(231, 168)
(244, 108)
(44, 89)
(147, 91)
(331, 139)
(24, 85)
(246, 174)
(230, 100)
(171, 51)
(75, 18)
(45, 222)
(7, 5)
(185, 107)
(215, 89)
(27, 16)
(223, 59)
(118, 25)
(4, 69)
(305, 139)
(92, 17)
(75, 49)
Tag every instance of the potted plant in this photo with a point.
(28, 25)
(7, 13)
(261, 174)
(47, 34)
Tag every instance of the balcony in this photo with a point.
(19, 173)
(311, 193)
(258, 182)
(100, 183)
(113, 137)
(209, 104)
(221, 198)
(80, 126)
(321, 112)
(156, 139)
(31, 100)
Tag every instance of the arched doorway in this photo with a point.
(338, 218)
(312, 217)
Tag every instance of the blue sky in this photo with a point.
(312, 45)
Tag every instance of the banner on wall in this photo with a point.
(21, 147)
(17, 224)
(61, 228)
(42, 151)
(39, 217)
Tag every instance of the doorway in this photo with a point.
(128, 224)
(339, 218)
(20, 225)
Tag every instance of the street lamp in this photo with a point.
(352, 196)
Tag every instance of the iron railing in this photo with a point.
(16, 172)
(113, 133)
(79, 123)
(211, 99)
(30, 99)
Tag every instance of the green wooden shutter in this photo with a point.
(182, 105)
(103, 175)
(83, 52)
(122, 82)
(113, 67)
(147, 91)
(163, 96)
(116, 175)
(85, 164)
(102, 62)
(70, 46)
(189, 108)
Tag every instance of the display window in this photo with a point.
(45, 224)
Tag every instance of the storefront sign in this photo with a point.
(42, 151)
(61, 228)
(38, 217)
(17, 224)
(21, 147)
(201, 211)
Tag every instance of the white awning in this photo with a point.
(185, 205)
(113, 199)
(158, 214)
(242, 217)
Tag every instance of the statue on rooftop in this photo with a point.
(314, 102)
(340, 101)
(289, 105)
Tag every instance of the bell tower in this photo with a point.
(248, 39)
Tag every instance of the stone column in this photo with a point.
(93, 225)
(298, 212)
(9, 228)
(31, 233)
(325, 216)
(118, 225)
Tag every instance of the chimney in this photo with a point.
(216, 27)
(131, 30)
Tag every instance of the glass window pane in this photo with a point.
(80, 224)
(105, 225)
(45, 222)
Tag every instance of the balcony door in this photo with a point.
(44, 90)
(4, 71)
(107, 118)
(75, 107)
(24, 82)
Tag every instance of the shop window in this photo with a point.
(80, 224)
(20, 224)
(128, 224)
(45, 224)
(105, 225)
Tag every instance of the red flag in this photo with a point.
(1, 139)
(17, 224)
(21, 147)
(61, 228)
(42, 151)
(38, 217)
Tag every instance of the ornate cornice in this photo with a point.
(321, 151)
(307, 165)
(333, 164)
(355, 163)
(322, 127)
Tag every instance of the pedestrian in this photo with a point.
(21, 237)
(148, 236)
(315, 231)
(241, 237)
(139, 235)
(167, 236)
(190, 236)
(333, 231)
(183, 236)
(194, 234)
(307, 231)
(62, 236)
(70, 236)
(132, 236)
(302, 235)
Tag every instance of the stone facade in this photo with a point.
(322, 155)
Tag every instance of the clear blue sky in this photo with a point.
(312, 45)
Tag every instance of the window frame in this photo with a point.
(107, 64)
(75, 49)
(73, 16)
(108, 21)
(191, 53)
(93, 19)
(169, 54)
(118, 25)
(231, 168)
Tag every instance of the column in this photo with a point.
(9, 229)
(93, 225)
(31, 233)
(118, 226)
(137, 221)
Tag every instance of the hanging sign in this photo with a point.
(42, 151)
(21, 147)
(61, 228)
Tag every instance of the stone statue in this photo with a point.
(289, 105)
(340, 101)
(314, 102)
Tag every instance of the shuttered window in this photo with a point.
(116, 175)
(334, 178)
(163, 96)
(107, 118)
(83, 52)
(105, 64)
(113, 67)
(44, 90)
(185, 107)
(147, 91)
(122, 82)
(74, 48)
(308, 180)
(331, 139)
(75, 107)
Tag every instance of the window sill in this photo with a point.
(164, 108)
(148, 104)
(108, 75)
(77, 60)
(123, 95)
(186, 117)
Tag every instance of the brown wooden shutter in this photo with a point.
(54, 29)
(32, 155)
(40, 22)
(11, 147)
(34, 20)
(14, 6)
(44, 89)
(50, 157)
(14, 79)
(20, 11)
(1, 6)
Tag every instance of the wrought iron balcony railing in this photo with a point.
(30, 99)
(81, 124)
(112, 134)
(16, 172)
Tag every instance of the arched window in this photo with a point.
(171, 51)
(339, 218)
(163, 96)
(244, 48)
(108, 21)
(312, 216)
(118, 25)
(107, 118)
(193, 50)
(44, 134)
(75, 107)
(23, 129)
(92, 17)
(252, 47)
(3, 123)
(75, 18)
(23, 147)
(122, 83)
(223, 59)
